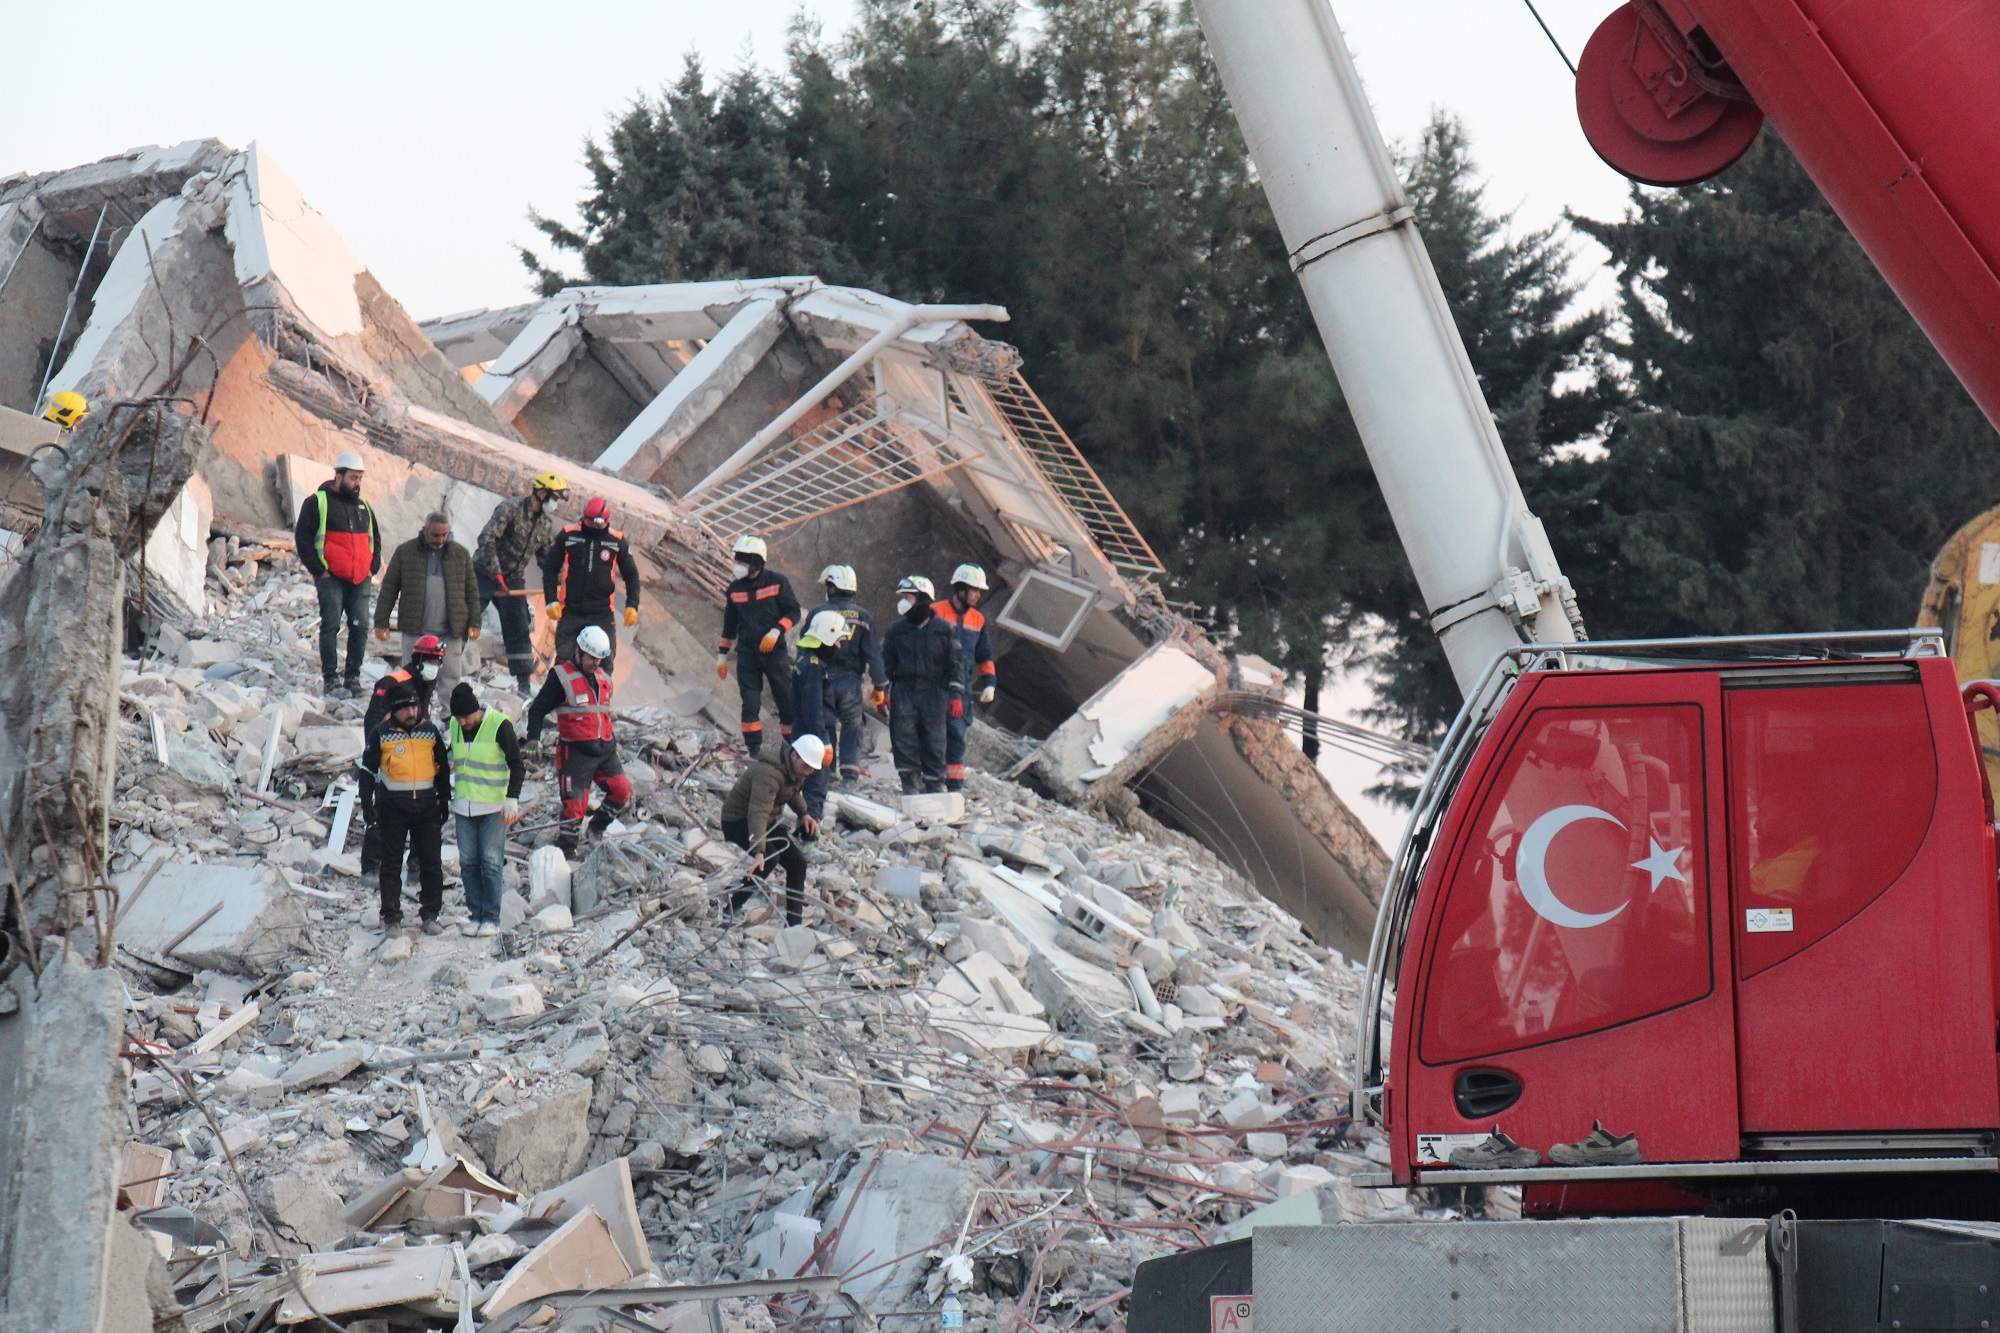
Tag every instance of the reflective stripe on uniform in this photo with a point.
(479, 765)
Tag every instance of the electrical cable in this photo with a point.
(1551, 36)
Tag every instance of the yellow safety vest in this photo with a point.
(479, 771)
(409, 763)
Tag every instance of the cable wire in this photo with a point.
(1551, 36)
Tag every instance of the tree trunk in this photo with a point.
(1315, 677)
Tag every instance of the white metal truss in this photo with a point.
(868, 450)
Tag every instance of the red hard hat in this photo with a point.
(597, 509)
(428, 646)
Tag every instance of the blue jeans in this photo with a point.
(482, 861)
(338, 601)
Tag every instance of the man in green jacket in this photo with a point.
(429, 585)
(772, 782)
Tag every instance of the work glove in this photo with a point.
(510, 813)
(631, 616)
(958, 705)
(770, 640)
(382, 634)
(471, 633)
(555, 610)
(722, 666)
(881, 701)
(986, 695)
(501, 579)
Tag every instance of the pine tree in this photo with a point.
(1797, 451)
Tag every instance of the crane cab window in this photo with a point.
(1579, 902)
(1831, 793)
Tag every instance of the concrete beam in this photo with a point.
(692, 396)
(541, 349)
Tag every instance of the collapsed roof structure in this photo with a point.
(234, 345)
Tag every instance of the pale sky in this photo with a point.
(425, 132)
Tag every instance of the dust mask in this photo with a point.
(742, 570)
(549, 507)
(428, 670)
(903, 605)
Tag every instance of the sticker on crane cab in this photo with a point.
(1767, 921)
(1435, 1149)
(1230, 1314)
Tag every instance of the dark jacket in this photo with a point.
(761, 790)
(580, 570)
(811, 714)
(518, 532)
(405, 583)
(353, 546)
(436, 798)
(924, 653)
(975, 644)
(862, 649)
(754, 607)
(377, 711)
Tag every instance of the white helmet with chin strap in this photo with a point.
(811, 749)
(917, 583)
(840, 577)
(972, 576)
(749, 545)
(826, 629)
(595, 641)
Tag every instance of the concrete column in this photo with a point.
(692, 396)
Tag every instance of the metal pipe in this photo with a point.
(1480, 556)
(857, 360)
(26, 241)
(69, 307)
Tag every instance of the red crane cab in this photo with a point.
(1737, 897)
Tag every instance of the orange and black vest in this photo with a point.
(585, 714)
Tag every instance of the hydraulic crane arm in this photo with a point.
(1482, 560)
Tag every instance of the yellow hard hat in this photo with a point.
(66, 409)
(551, 481)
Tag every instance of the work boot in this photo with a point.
(352, 685)
(852, 772)
(934, 788)
(910, 787)
(1598, 1148)
(1496, 1153)
(433, 926)
(526, 686)
(329, 687)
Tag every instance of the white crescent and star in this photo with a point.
(1531, 866)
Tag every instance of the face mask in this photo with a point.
(549, 507)
(742, 570)
(904, 605)
(428, 670)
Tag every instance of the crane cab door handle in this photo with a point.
(1481, 1094)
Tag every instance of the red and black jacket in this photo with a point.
(350, 548)
(581, 569)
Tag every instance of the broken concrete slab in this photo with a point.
(1144, 711)
(306, 1209)
(909, 1201)
(343, 1281)
(534, 1145)
(260, 921)
(859, 812)
(322, 1068)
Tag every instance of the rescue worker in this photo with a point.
(922, 655)
(487, 772)
(338, 542)
(978, 674)
(860, 652)
(812, 696)
(767, 785)
(579, 575)
(758, 610)
(413, 790)
(430, 590)
(519, 532)
(419, 672)
(67, 408)
(577, 693)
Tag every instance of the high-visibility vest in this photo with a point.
(479, 771)
(586, 711)
(409, 762)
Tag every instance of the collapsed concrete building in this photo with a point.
(234, 345)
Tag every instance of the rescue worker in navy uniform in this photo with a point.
(812, 697)
(760, 608)
(961, 610)
(578, 693)
(923, 657)
(413, 780)
(420, 674)
(579, 575)
(860, 652)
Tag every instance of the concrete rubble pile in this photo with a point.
(1014, 1056)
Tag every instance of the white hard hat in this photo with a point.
(829, 627)
(840, 576)
(918, 583)
(811, 749)
(595, 641)
(748, 545)
(972, 576)
(349, 461)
